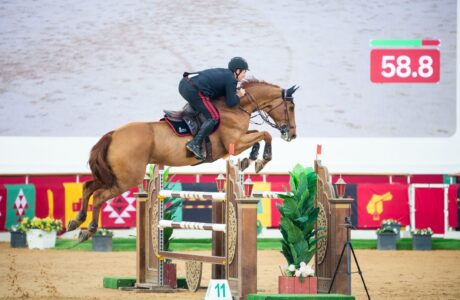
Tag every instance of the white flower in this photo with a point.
(303, 269)
(303, 264)
(297, 273)
(291, 268)
(309, 272)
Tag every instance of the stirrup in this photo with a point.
(196, 150)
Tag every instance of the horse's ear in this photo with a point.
(291, 90)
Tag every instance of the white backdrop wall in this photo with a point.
(351, 154)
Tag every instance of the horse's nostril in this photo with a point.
(294, 136)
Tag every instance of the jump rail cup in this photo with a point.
(234, 224)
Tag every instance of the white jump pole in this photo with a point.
(192, 225)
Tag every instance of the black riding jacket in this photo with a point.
(217, 82)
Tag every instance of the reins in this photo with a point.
(265, 115)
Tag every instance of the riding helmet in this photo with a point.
(238, 63)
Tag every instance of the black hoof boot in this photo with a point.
(73, 224)
(244, 164)
(195, 149)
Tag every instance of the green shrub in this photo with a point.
(298, 217)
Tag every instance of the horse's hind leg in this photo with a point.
(88, 189)
(100, 196)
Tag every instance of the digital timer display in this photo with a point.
(403, 64)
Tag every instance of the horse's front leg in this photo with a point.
(252, 139)
(247, 161)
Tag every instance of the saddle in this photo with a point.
(191, 118)
(187, 122)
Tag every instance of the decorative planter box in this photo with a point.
(170, 275)
(398, 229)
(102, 243)
(293, 285)
(421, 242)
(39, 239)
(386, 241)
(18, 239)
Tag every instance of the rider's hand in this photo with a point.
(240, 92)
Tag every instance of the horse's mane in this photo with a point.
(253, 81)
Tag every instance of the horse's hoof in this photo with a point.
(244, 164)
(260, 164)
(73, 225)
(84, 236)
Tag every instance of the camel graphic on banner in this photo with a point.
(375, 205)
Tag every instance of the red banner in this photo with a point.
(2, 207)
(429, 209)
(452, 205)
(377, 202)
(50, 196)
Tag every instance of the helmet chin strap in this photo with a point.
(237, 73)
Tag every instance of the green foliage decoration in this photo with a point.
(298, 217)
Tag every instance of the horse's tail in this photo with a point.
(102, 172)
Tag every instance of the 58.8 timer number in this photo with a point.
(405, 65)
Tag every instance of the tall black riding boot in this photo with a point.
(194, 145)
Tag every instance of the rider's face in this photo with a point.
(240, 75)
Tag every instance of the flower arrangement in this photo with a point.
(104, 232)
(422, 231)
(17, 228)
(388, 222)
(387, 230)
(303, 271)
(47, 224)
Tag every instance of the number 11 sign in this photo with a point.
(401, 64)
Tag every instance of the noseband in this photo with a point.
(285, 126)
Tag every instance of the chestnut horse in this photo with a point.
(118, 160)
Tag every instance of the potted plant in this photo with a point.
(386, 238)
(393, 224)
(297, 226)
(421, 239)
(102, 240)
(41, 233)
(18, 237)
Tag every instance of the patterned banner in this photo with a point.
(197, 210)
(20, 203)
(73, 202)
(50, 197)
(377, 202)
(264, 207)
(120, 212)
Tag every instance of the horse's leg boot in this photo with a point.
(194, 145)
(74, 224)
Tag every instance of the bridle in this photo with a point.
(283, 127)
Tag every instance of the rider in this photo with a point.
(200, 90)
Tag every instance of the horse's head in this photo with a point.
(278, 103)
